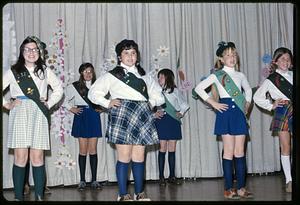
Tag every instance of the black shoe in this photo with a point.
(174, 180)
(96, 185)
(81, 185)
(162, 182)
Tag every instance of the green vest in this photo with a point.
(231, 89)
(30, 90)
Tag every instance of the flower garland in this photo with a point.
(61, 119)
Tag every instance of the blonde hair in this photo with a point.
(219, 64)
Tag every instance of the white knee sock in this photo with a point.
(286, 165)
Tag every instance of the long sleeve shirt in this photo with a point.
(73, 98)
(267, 86)
(238, 78)
(177, 100)
(118, 89)
(42, 85)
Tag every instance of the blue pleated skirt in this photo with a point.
(87, 124)
(168, 128)
(232, 121)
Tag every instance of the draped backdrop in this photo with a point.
(179, 36)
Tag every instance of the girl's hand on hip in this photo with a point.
(43, 100)
(12, 104)
(76, 110)
(114, 103)
(219, 106)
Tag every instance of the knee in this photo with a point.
(138, 156)
(239, 153)
(228, 154)
(163, 148)
(21, 160)
(125, 157)
(37, 160)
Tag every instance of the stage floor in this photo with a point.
(269, 187)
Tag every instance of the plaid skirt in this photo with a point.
(283, 118)
(28, 127)
(131, 123)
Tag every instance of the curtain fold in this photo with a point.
(189, 34)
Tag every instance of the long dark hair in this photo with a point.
(169, 79)
(126, 45)
(40, 63)
(82, 86)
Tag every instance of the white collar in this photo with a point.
(88, 83)
(228, 69)
(284, 73)
(131, 69)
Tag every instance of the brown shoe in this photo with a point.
(26, 189)
(141, 197)
(288, 187)
(126, 197)
(47, 190)
(231, 194)
(243, 193)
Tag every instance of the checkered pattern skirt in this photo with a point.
(283, 118)
(28, 127)
(131, 123)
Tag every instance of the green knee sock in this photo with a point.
(39, 180)
(18, 180)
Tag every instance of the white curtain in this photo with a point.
(189, 34)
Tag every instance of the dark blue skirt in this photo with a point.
(87, 124)
(232, 121)
(168, 128)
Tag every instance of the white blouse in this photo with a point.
(42, 85)
(177, 100)
(118, 89)
(267, 86)
(73, 98)
(238, 78)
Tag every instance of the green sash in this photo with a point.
(131, 80)
(282, 84)
(231, 89)
(85, 98)
(171, 110)
(30, 90)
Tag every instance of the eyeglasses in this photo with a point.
(31, 50)
(87, 71)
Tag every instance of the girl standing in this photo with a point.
(169, 125)
(29, 117)
(130, 121)
(86, 124)
(230, 122)
(279, 85)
